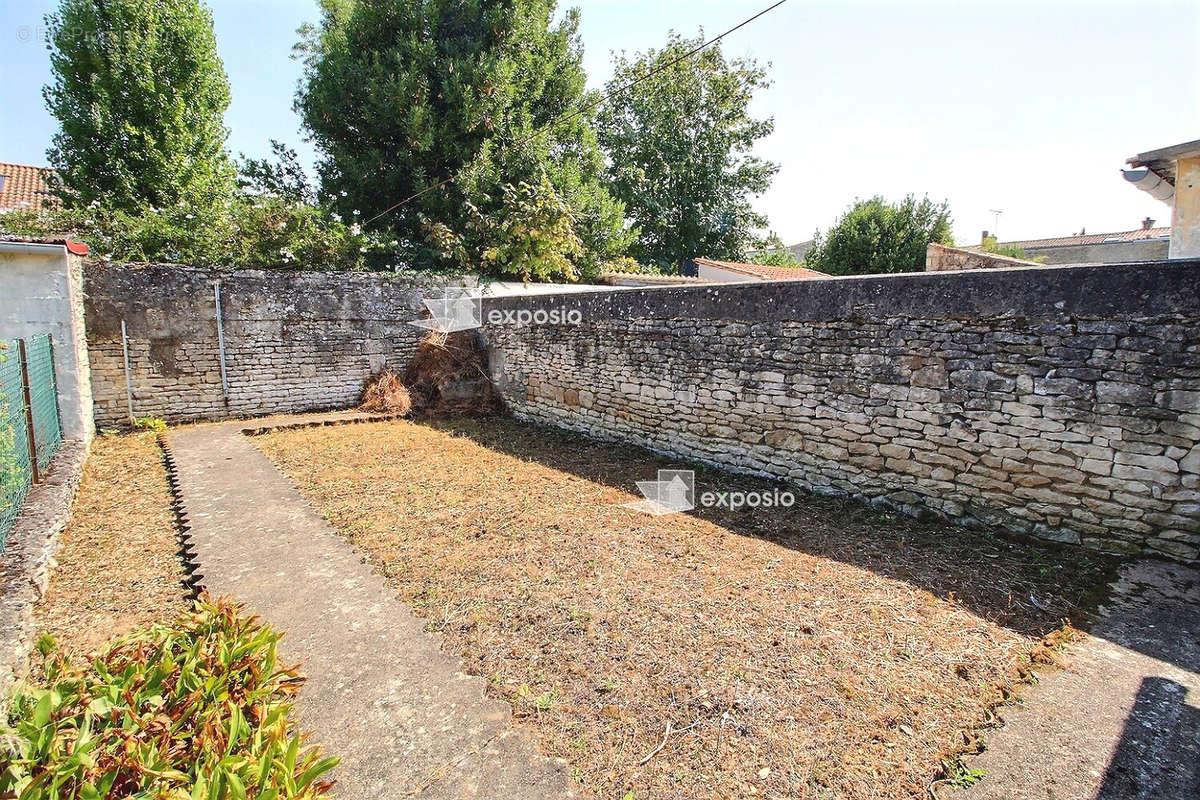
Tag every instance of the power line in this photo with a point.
(589, 106)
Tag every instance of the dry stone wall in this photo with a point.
(940, 258)
(294, 341)
(1058, 402)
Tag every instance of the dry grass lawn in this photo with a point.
(826, 651)
(118, 567)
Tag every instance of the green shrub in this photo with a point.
(195, 709)
(875, 237)
(255, 232)
(156, 424)
(990, 245)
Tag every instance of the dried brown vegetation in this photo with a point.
(448, 376)
(385, 394)
(826, 651)
(118, 565)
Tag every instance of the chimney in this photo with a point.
(1147, 224)
(984, 238)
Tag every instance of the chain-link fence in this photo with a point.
(28, 394)
(43, 396)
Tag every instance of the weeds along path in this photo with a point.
(403, 717)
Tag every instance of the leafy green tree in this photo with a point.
(774, 253)
(400, 95)
(139, 93)
(875, 236)
(534, 234)
(283, 177)
(680, 144)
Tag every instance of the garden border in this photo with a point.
(28, 558)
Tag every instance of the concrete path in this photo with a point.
(1122, 722)
(380, 694)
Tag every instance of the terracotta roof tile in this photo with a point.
(25, 187)
(762, 270)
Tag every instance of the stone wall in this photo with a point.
(294, 341)
(1058, 402)
(940, 258)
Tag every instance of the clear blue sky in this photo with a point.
(1028, 107)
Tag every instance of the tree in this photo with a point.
(875, 236)
(400, 95)
(679, 145)
(283, 178)
(535, 237)
(140, 93)
(774, 253)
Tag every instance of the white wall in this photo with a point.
(41, 291)
(711, 273)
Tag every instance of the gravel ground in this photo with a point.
(822, 651)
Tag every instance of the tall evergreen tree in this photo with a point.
(402, 94)
(140, 94)
(679, 144)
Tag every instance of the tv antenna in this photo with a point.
(996, 228)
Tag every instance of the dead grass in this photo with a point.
(826, 651)
(118, 567)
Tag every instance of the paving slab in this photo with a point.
(401, 714)
(1122, 721)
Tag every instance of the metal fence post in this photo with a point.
(30, 438)
(221, 341)
(128, 384)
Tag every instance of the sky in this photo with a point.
(1029, 108)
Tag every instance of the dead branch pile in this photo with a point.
(385, 394)
(448, 376)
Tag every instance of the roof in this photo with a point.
(1094, 238)
(1162, 161)
(650, 279)
(77, 248)
(762, 271)
(25, 187)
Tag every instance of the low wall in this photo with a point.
(940, 258)
(294, 341)
(1058, 402)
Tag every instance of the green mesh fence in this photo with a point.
(43, 396)
(15, 473)
(16, 462)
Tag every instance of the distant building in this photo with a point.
(798, 251)
(1172, 175)
(23, 187)
(628, 279)
(711, 269)
(1146, 243)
